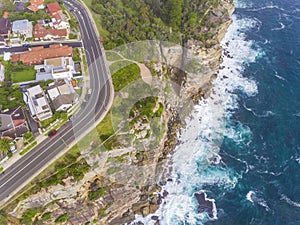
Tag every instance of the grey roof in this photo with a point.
(20, 25)
(20, 6)
(6, 122)
(63, 99)
(5, 26)
(13, 123)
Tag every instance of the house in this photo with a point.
(37, 55)
(1, 72)
(5, 26)
(55, 68)
(62, 95)
(37, 103)
(35, 5)
(60, 21)
(13, 123)
(53, 8)
(22, 27)
(32, 9)
(43, 33)
(19, 6)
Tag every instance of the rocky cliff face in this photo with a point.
(123, 181)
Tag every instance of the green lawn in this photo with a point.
(112, 56)
(23, 75)
(122, 76)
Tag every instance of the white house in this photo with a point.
(36, 101)
(22, 27)
(62, 95)
(60, 21)
(56, 68)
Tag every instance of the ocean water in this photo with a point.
(250, 127)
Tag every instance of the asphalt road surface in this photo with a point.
(99, 100)
(74, 44)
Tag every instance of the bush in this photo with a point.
(46, 216)
(28, 215)
(97, 193)
(63, 218)
(72, 36)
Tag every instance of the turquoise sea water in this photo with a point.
(250, 125)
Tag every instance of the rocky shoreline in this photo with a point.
(127, 181)
(196, 91)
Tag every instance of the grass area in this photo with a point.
(1, 169)
(105, 128)
(24, 74)
(122, 76)
(28, 148)
(3, 217)
(112, 56)
(119, 65)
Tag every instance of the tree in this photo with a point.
(172, 12)
(5, 145)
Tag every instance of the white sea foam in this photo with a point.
(201, 139)
(249, 196)
(282, 26)
(262, 114)
(278, 76)
(256, 198)
(289, 201)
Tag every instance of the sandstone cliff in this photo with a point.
(123, 177)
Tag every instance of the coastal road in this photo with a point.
(95, 108)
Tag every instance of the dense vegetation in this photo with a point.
(10, 97)
(125, 21)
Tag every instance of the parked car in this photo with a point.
(7, 46)
(52, 133)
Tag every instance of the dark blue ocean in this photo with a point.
(250, 127)
(272, 183)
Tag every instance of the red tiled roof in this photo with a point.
(37, 55)
(57, 17)
(33, 8)
(53, 8)
(42, 32)
(37, 2)
(5, 14)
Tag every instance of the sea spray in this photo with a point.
(194, 163)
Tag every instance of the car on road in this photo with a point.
(26, 45)
(52, 133)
